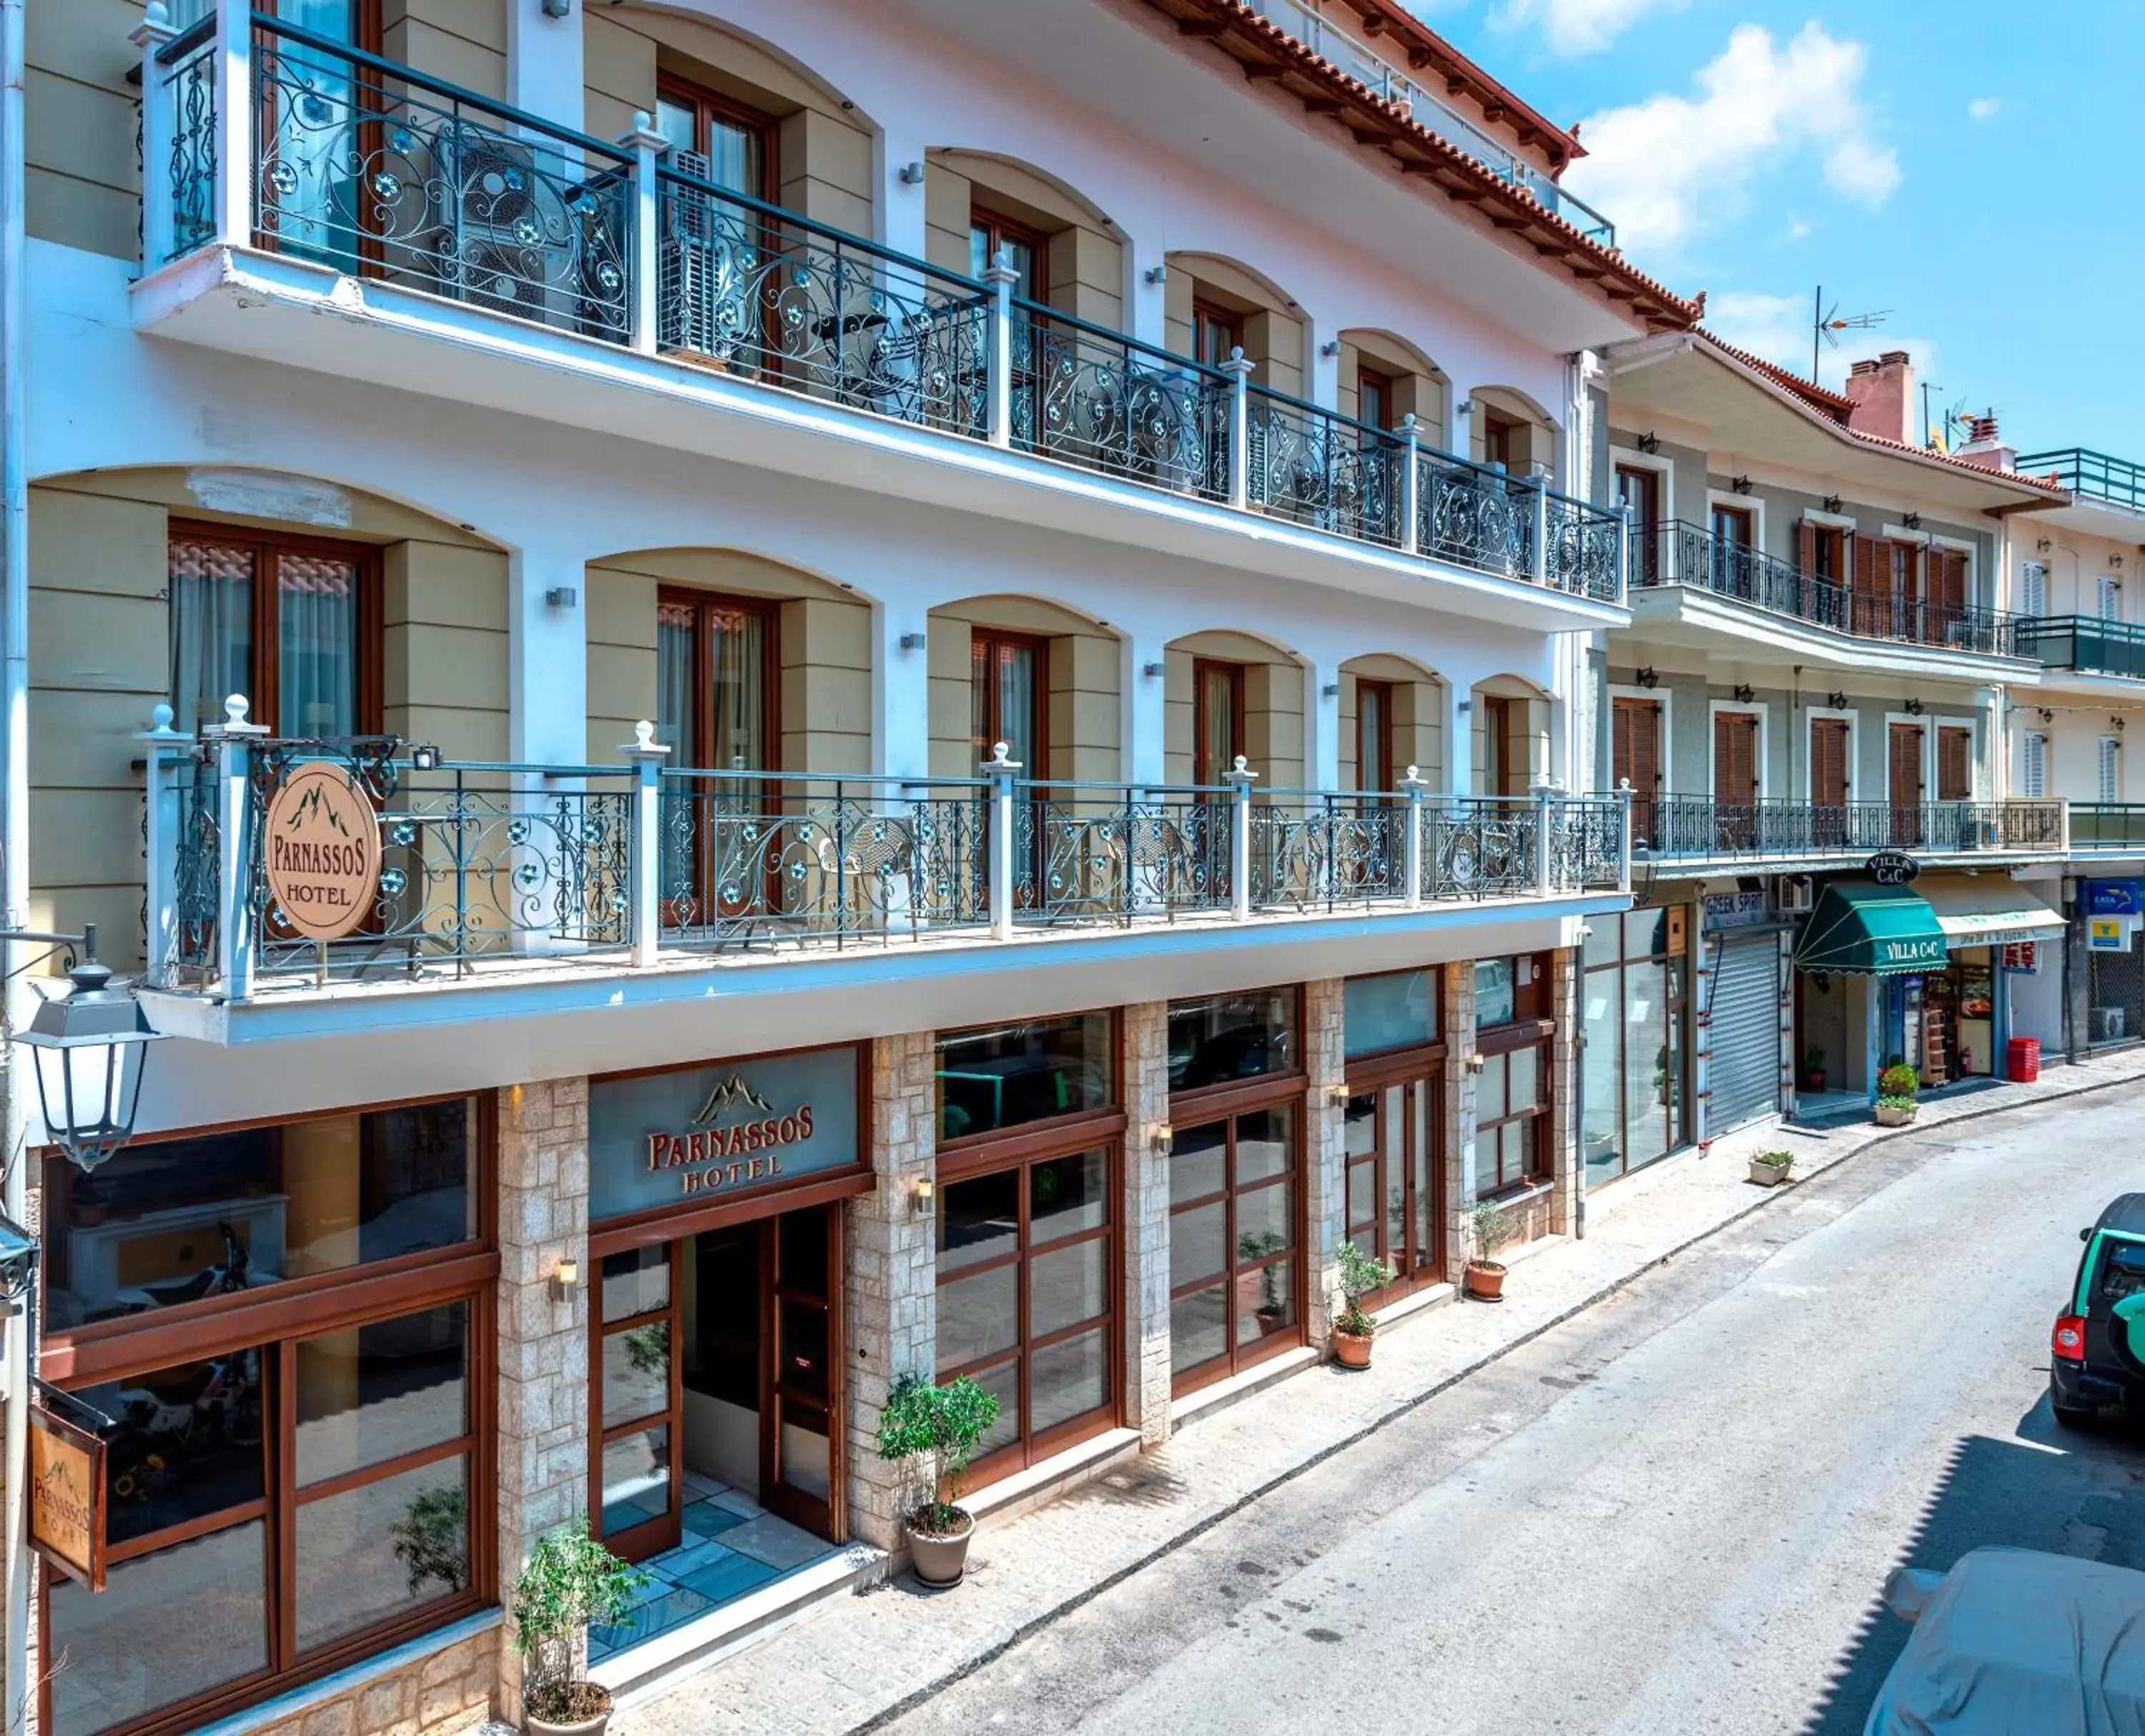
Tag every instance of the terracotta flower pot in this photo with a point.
(1485, 1280)
(592, 1725)
(941, 1558)
(1351, 1350)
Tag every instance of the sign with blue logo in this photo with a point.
(2115, 897)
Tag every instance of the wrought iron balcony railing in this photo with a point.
(1682, 553)
(2108, 826)
(2083, 641)
(486, 865)
(355, 163)
(2119, 481)
(1668, 828)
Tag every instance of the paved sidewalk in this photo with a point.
(854, 1665)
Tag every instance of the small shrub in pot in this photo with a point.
(571, 1583)
(1492, 1227)
(1360, 1274)
(946, 1425)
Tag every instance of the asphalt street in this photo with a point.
(1674, 1513)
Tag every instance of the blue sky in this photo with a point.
(1969, 166)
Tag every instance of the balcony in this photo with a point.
(2116, 481)
(504, 874)
(358, 169)
(2107, 829)
(1693, 834)
(2084, 642)
(1682, 554)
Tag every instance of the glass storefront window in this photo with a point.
(1008, 1075)
(1395, 1011)
(381, 1550)
(172, 1222)
(1226, 1037)
(1235, 1202)
(1511, 1111)
(1631, 1000)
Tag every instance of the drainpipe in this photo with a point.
(14, 844)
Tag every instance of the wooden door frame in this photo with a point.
(1386, 689)
(824, 1518)
(708, 102)
(1419, 1067)
(652, 1536)
(1035, 755)
(1237, 671)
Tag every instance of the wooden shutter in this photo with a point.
(1955, 765)
(1906, 764)
(1828, 739)
(1947, 583)
(1868, 585)
(2033, 590)
(2034, 773)
(1735, 757)
(2111, 769)
(1637, 758)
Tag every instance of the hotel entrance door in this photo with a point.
(720, 1355)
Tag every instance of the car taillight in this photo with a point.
(2069, 1339)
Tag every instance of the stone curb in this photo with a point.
(1007, 1639)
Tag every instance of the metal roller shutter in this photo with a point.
(1743, 1078)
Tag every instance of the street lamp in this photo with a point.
(88, 1050)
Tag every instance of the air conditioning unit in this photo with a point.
(2107, 1024)
(1796, 894)
(495, 254)
(703, 298)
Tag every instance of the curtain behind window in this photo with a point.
(212, 629)
(676, 644)
(740, 700)
(317, 644)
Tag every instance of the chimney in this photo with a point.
(1983, 445)
(1882, 394)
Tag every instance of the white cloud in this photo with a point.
(1577, 26)
(1797, 229)
(1657, 166)
(1778, 327)
(1983, 108)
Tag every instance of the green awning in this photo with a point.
(1867, 930)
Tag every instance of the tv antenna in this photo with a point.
(1826, 325)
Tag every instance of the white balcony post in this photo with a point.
(160, 837)
(646, 756)
(1413, 787)
(1539, 476)
(158, 198)
(1239, 370)
(647, 145)
(234, 740)
(1545, 795)
(1411, 484)
(1001, 277)
(1239, 778)
(1002, 771)
(1623, 835)
(1623, 551)
(233, 76)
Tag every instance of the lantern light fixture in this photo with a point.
(88, 1051)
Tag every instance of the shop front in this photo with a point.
(715, 1345)
(281, 1337)
(2112, 911)
(1634, 991)
(1392, 1034)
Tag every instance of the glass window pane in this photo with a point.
(1010, 1075)
(738, 155)
(374, 1393)
(802, 1252)
(677, 123)
(1198, 1327)
(187, 1443)
(636, 1373)
(1266, 1220)
(1359, 1124)
(978, 1219)
(803, 1350)
(211, 628)
(1068, 1286)
(1393, 1012)
(1519, 1153)
(1646, 1060)
(1266, 1145)
(978, 1316)
(317, 651)
(1482, 1162)
(1266, 1301)
(636, 1479)
(1068, 1195)
(1523, 1078)
(167, 1626)
(170, 1221)
(1003, 1384)
(1198, 1162)
(1600, 1124)
(381, 1550)
(1070, 1379)
(1491, 1101)
(1231, 1036)
(1493, 992)
(1198, 1243)
(637, 1281)
(1362, 1194)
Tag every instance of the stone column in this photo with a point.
(1325, 1153)
(1565, 1172)
(1460, 1093)
(893, 1274)
(544, 1420)
(1145, 1062)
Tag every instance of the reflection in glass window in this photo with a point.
(186, 1443)
(1008, 1076)
(172, 1222)
(1231, 1036)
(1493, 992)
(381, 1550)
(377, 1392)
(1395, 1011)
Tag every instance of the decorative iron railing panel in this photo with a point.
(1312, 852)
(1481, 847)
(1581, 551)
(198, 876)
(188, 68)
(758, 859)
(1097, 854)
(1667, 827)
(1474, 516)
(1315, 468)
(2083, 641)
(1585, 842)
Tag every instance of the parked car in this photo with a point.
(2097, 1355)
(2011, 1641)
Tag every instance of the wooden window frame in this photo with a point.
(769, 609)
(1202, 773)
(1001, 229)
(1385, 691)
(265, 697)
(369, 38)
(1034, 753)
(958, 1156)
(1377, 379)
(1539, 1035)
(1206, 314)
(707, 104)
(1423, 1068)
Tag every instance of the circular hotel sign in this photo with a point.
(323, 849)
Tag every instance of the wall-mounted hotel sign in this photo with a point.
(321, 842)
(66, 1497)
(701, 1135)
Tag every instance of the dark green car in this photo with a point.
(2097, 1356)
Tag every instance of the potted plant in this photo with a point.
(948, 1423)
(1896, 1090)
(571, 1583)
(1360, 1274)
(1769, 1169)
(1263, 1284)
(1813, 1076)
(1492, 1227)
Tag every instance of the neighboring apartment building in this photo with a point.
(1821, 668)
(966, 627)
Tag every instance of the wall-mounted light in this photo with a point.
(1332, 690)
(2115, 724)
(1332, 346)
(1741, 485)
(1158, 274)
(1648, 679)
(1832, 503)
(562, 596)
(425, 757)
(922, 1196)
(912, 174)
(1337, 1094)
(1913, 708)
(2116, 561)
(565, 1279)
(2047, 715)
(1649, 443)
(2043, 546)
(1743, 693)
(913, 641)
(1475, 1063)
(1836, 700)
(1152, 671)
(1160, 1136)
(1913, 521)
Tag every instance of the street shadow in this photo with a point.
(2047, 1488)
